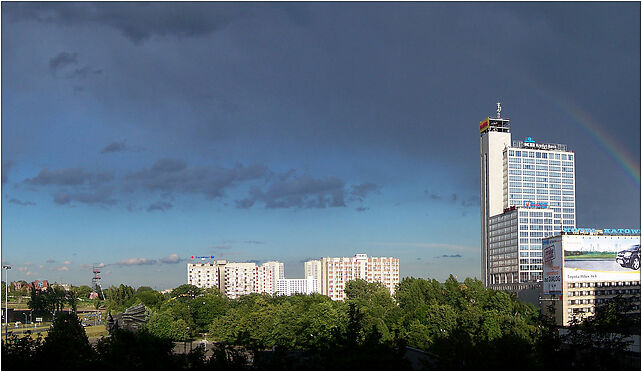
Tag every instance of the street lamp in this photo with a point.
(6, 299)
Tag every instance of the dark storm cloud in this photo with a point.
(83, 73)
(114, 147)
(362, 190)
(159, 206)
(299, 192)
(68, 177)
(6, 167)
(51, 261)
(101, 196)
(471, 201)
(62, 60)
(20, 202)
(244, 203)
(449, 256)
(172, 175)
(137, 21)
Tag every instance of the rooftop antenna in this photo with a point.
(499, 110)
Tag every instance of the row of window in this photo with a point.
(539, 155)
(530, 267)
(523, 253)
(604, 292)
(603, 284)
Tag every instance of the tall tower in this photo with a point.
(494, 138)
(96, 281)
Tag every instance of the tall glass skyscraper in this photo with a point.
(527, 193)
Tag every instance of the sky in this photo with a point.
(135, 135)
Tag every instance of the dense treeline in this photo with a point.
(457, 325)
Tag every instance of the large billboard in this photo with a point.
(600, 258)
(552, 261)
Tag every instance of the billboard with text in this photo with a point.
(600, 257)
(552, 261)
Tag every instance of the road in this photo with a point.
(599, 265)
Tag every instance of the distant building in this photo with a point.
(235, 279)
(336, 271)
(313, 268)
(239, 279)
(264, 279)
(289, 287)
(37, 285)
(204, 274)
(278, 271)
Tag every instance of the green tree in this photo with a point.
(72, 300)
(84, 291)
(66, 345)
(150, 298)
(186, 290)
(119, 298)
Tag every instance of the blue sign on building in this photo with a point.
(532, 204)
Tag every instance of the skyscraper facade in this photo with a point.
(527, 193)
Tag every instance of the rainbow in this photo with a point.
(625, 160)
(629, 164)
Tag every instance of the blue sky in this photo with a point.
(138, 134)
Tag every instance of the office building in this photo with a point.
(336, 271)
(289, 287)
(527, 193)
(586, 268)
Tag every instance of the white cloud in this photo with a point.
(136, 261)
(171, 259)
(62, 268)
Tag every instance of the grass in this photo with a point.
(590, 256)
(92, 331)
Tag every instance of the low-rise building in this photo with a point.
(586, 268)
(289, 287)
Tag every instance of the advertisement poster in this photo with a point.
(552, 260)
(601, 258)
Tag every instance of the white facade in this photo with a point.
(541, 176)
(278, 271)
(264, 280)
(336, 271)
(235, 279)
(289, 287)
(313, 268)
(495, 137)
(239, 279)
(203, 275)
